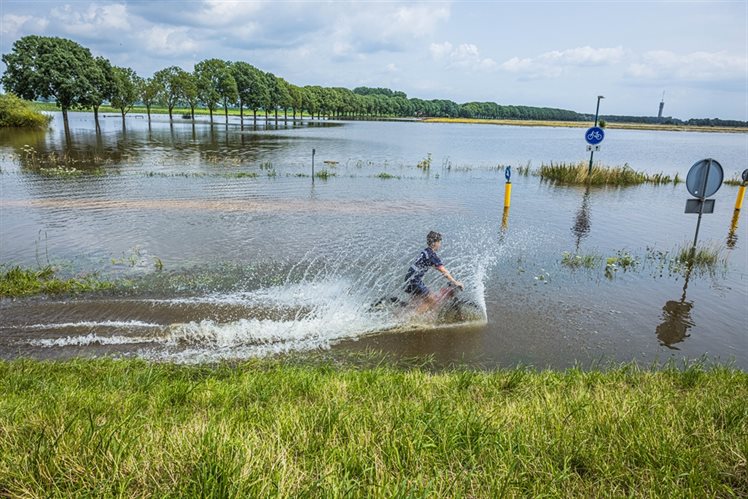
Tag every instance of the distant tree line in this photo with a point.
(66, 72)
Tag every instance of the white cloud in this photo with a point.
(584, 56)
(693, 67)
(166, 41)
(554, 63)
(232, 9)
(392, 68)
(419, 20)
(342, 48)
(465, 55)
(95, 20)
(13, 26)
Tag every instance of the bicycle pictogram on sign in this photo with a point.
(594, 135)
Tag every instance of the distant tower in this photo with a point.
(662, 104)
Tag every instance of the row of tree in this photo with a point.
(63, 70)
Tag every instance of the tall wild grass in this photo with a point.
(578, 173)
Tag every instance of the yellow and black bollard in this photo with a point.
(508, 187)
(741, 190)
(739, 200)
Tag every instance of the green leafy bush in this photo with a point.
(15, 112)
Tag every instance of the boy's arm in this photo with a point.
(443, 270)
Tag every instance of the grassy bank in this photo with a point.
(264, 428)
(586, 124)
(16, 282)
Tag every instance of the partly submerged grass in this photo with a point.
(701, 257)
(579, 173)
(264, 428)
(386, 176)
(17, 281)
(708, 259)
(579, 260)
(324, 174)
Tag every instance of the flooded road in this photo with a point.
(231, 251)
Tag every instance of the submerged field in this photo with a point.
(189, 242)
(262, 428)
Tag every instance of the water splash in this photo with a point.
(327, 296)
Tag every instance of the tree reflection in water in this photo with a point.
(581, 227)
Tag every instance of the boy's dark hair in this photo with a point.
(433, 237)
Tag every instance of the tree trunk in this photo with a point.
(96, 116)
(148, 110)
(285, 114)
(294, 114)
(276, 115)
(254, 111)
(211, 115)
(65, 121)
(123, 117)
(226, 112)
(171, 108)
(192, 113)
(241, 112)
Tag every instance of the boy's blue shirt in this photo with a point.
(427, 259)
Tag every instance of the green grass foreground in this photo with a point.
(267, 428)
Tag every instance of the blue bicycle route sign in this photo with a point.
(594, 135)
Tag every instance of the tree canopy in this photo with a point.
(51, 67)
(61, 69)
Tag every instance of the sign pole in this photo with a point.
(701, 207)
(592, 152)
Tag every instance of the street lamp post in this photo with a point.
(592, 152)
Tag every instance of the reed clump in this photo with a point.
(734, 180)
(324, 174)
(701, 257)
(386, 176)
(425, 163)
(578, 173)
(269, 428)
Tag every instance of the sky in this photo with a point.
(559, 54)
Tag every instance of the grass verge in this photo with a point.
(586, 124)
(265, 428)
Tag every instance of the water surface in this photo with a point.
(235, 252)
